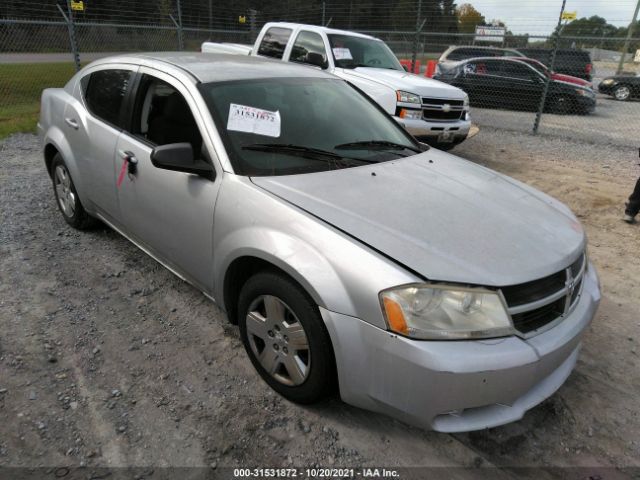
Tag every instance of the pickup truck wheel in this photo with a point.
(67, 197)
(622, 93)
(285, 338)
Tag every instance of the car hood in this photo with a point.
(442, 217)
(569, 79)
(401, 80)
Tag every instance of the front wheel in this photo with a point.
(285, 338)
(622, 93)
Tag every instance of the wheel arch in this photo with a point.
(241, 268)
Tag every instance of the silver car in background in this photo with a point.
(352, 257)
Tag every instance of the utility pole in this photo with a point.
(632, 26)
(545, 91)
(323, 12)
(414, 52)
(210, 17)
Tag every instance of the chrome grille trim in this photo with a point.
(570, 285)
(439, 107)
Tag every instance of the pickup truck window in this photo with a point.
(306, 43)
(104, 94)
(351, 52)
(274, 42)
(323, 124)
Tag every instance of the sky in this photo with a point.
(539, 17)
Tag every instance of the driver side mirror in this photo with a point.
(317, 59)
(179, 157)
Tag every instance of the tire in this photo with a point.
(285, 338)
(67, 197)
(622, 93)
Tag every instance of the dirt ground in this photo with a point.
(108, 360)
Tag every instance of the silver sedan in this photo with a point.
(353, 258)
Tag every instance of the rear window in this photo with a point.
(274, 42)
(104, 94)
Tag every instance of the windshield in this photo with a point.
(283, 126)
(351, 52)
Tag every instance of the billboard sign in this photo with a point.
(489, 34)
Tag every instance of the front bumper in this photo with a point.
(606, 89)
(430, 132)
(453, 386)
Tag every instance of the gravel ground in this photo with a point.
(612, 122)
(108, 360)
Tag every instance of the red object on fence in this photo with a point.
(407, 63)
(431, 68)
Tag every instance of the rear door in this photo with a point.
(93, 128)
(168, 213)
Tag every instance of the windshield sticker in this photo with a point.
(253, 120)
(342, 54)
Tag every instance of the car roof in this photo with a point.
(499, 59)
(219, 67)
(318, 28)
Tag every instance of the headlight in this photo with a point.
(584, 92)
(607, 81)
(466, 101)
(410, 114)
(406, 97)
(441, 312)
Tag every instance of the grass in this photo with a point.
(21, 85)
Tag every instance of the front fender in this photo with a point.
(292, 255)
(340, 273)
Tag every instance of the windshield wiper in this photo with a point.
(376, 145)
(300, 150)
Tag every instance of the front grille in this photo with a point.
(532, 291)
(534, 319)
(532, 305)
(442, 101)
(442, 109)
(429, 114)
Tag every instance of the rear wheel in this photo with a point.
(67, 196)
(622, 93)
(285, 338)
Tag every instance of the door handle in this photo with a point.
(71, 122)
(130, 159)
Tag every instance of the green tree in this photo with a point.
(468, 18)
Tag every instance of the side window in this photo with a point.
(161, 115)
(516, 70)
(274, 42)
(104, 93)
(306, 43)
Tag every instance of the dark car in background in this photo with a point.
(513, 84)
(465, 52)
(561, 77)
(570, 61)
(621, 87)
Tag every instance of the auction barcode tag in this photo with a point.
(253, 120)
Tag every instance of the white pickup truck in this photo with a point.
(432, 111)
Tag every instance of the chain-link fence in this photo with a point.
(558, 84)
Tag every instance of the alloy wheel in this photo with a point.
(278, 340)
(64, 191)
(622, 93)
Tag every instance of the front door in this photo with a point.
(169, 213)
